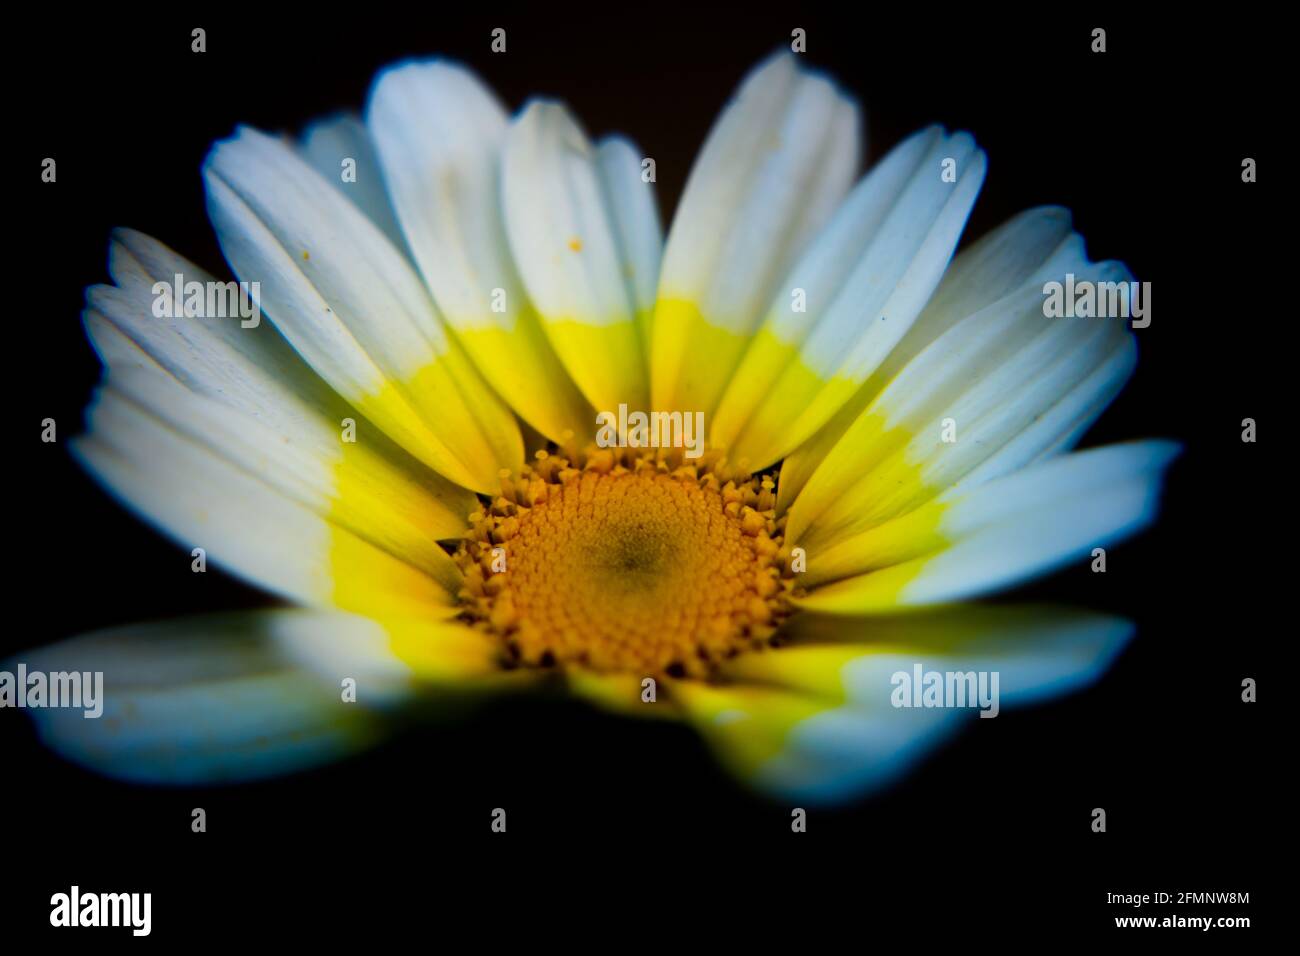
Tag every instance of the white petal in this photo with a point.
(859, 741)
(270, 412)
(226, 698)
(987, 380)
(439, 133)
(566, 244)
(1011, 529)
(776, 164)
(635, 217)
(330, 143)
(990, 269)
(245, 524)
(899, 266)
(865, 280)
(354, 309)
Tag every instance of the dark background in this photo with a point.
(1144, 143)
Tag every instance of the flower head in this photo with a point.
(428, 448)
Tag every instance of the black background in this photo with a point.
(1144, 143)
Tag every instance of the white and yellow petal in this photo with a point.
(203, 499)
(974, 540)
(634, 215)
(852, 297)
(775, 166)
(568, 246)
(1038, 242)
(243, 391)
(238, 697)
(816, 721)
(239, 397)
(961, 403)
(351, 305)
(439, 133)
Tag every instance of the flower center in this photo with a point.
(627, 560)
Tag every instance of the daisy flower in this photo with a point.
(407, 453)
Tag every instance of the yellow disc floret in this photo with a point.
(627, 560)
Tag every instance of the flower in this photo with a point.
(407, 449)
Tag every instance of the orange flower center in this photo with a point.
(627, 560)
